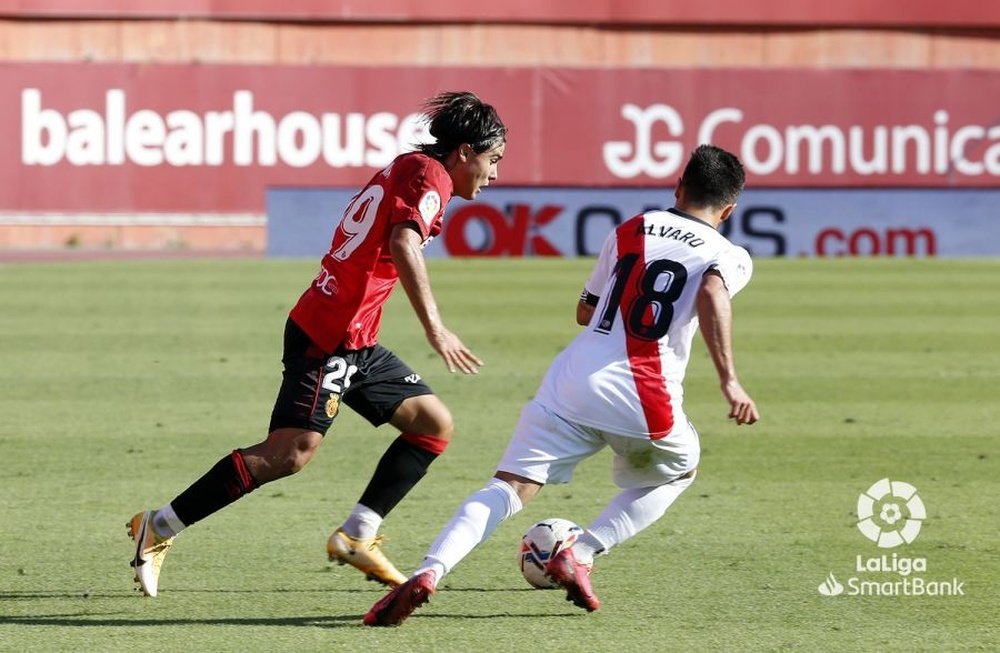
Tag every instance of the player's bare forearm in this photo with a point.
(584, 312)
(715, 317)
(404, 247)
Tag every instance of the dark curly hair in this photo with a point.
(458, 117)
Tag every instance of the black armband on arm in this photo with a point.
(589, 299)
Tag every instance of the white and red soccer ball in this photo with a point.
(540, 543)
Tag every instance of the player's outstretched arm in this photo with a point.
(715, 316)
(404, 246)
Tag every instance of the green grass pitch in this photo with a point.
(124, 381)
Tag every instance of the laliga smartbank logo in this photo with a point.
(890, 514)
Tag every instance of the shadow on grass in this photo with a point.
(78, 620)
(90, 594)
(106, 619)
(331, 621)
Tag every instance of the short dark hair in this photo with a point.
(458, 117)
(712, 177)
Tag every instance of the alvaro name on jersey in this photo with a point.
(623, 372)
(343, 306)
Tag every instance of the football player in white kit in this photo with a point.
(619, 385)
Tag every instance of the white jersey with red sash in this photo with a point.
(624, 372)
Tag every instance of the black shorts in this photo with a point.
(372, 381)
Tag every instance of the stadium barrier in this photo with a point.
(513, 222)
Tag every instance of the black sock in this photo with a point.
(226, 482)
(402, 466)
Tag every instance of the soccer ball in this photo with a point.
(542, 541)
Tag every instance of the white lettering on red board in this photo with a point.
(934, 147)
(240, 135)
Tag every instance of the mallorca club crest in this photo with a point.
(332, 406)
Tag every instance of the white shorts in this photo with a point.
(547, 448)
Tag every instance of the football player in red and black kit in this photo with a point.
(331, 350)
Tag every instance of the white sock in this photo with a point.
(627, 514)
(587, 546)
(363, 523)
(166, 523)
(473, 522)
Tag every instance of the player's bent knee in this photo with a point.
(285, 452)
(445, 429)
(524, 487)
(424, 414)
(437, 422)
(304, 447)
(298, 459)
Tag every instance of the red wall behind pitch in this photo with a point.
(569, 126)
